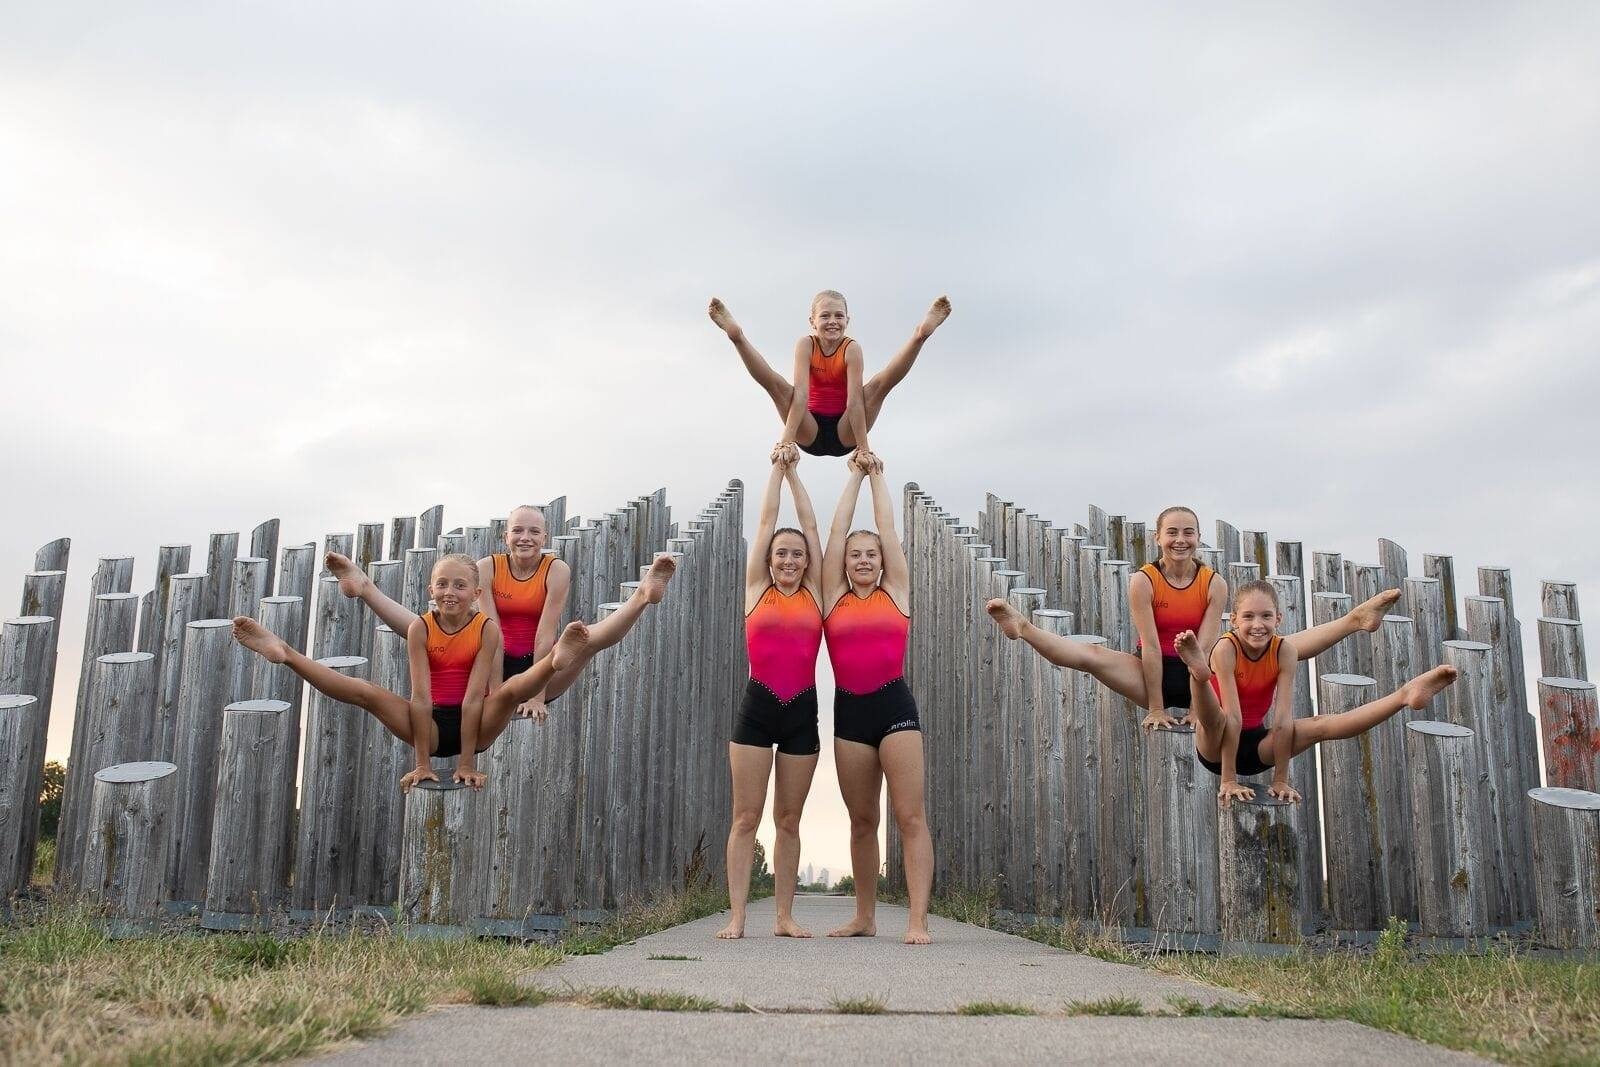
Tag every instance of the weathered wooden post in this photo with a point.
(114, 728)
(1228, 541)
(1121, 818)
(1442, 569)
(249, 857)
(52, 557)
(185, 599)
(369, 544)
(19, 809)
(439, 890)
(220, 554)
(993, 843)
(381, 762)
(1488, 619)
(1367, 582)
(1254, 547)
(1303, 771)
(402, 535)
(1393, 645)
(1181, 849)
(511, 814)
(1569, 719)
(1470, 702)
(263, 544)
(452, 543)
(1444, 772)
(170, 560)
(1044, 840)
(27, 668)
(1392, 564)
(1558, 599)
(1327, 573)
(1091, 560)
(110, 628)
(388, 576)
(324, 869)
(112, 574)
(1566, 854)
(249, 585)
(1238, 574)
(297, 576)
(1422, 601)
(1260, 899)
(479, 541)
(430, 524)
(1016, 762)
(1561, 652)
(1356, 810)
(203, 693)
(286, 617)
(1116, 621)
(338, 621)
(1079, 828)
(128, 832)
(342, 543)
(414, 592)
(597, 759)
(1326, 607)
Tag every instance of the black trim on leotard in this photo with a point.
(868, 718)
(764, 721)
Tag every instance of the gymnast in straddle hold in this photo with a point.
(826, 408)
(1177, 593)
(1243, 697)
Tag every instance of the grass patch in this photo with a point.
(1511, 1007)
(994, 1007)
(661, 956)
(644, 1000)
(868, 1005)
(496, 989)
(44, 861)
(1105, 1006)
(638, 920)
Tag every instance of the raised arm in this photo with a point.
(802, 390)
(1223, 663)
(1216, 602)
(896, 570)
(856, 404)
(834, 581)
(1141, 596)
(808, 526)
(757, 576)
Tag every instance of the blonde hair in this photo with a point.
(1264, 588)
(535, 508)
(457, 557)
(829, 294)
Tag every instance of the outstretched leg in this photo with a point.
(570, 648)
(353, 582)
(750, 765)
(614, 627)
(861, 783)
(1366, 616)
(893, 373)
(388, 708)
(1414, 694)
(779, 388)
(1115, 670)
(793, 782)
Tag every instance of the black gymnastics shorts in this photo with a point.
(1175, 682)
(511, 666)
(764, 721)
(447, 719)
(827, 442)
(1249, 760)
(868, 718)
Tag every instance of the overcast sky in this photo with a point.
(1330, 272)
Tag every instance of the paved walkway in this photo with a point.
(795, 986)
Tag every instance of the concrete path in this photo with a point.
(804, 981)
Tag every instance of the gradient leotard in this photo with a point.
(520, 604)
(867, 647)
(1177, 608)
(450, 659)
(783, 635)
(1257, 682)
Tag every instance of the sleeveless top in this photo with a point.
(1256, 680)
(1177, 608)
(829, 392)
(783, 635)
(450, 656)
(519, 602)
(866, 641)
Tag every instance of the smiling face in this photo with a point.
(829, 317)
(454, 586)
(1178, 535)
(863, 560)
(787, 558)
(1255, 618)
(526, 534)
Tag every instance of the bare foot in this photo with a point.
(918, 935)
(789, 928)
(1416, 693)
(734, 930)
(1368, 615)
(935, 317)
(654, 586)
(724, 319)
(1188, 649)
(857, 927)
(260, 640)
(569, 646)
(353, 581)
(1008, 618)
